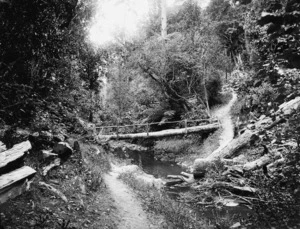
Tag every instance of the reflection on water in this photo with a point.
(161, 170)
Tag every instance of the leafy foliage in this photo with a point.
(39, 46)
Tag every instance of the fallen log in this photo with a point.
(54, 190)
(234, 189)
(289, 107)
(14, 183)
(276, 163)
(13, 158)
(188, 177)
(232, 148)
(260, 162)
(171, 182)
(164, 133)
(52, 165)
(184, 177)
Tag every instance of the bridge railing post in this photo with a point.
(147, 129)
(118, 131)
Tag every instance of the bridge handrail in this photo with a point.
(148, 124)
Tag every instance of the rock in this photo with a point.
(63, 150)
(202, 164)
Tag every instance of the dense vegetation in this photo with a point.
(50, 75)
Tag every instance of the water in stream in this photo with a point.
(161, 169)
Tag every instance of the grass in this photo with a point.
(176, 215)
(210, 144)
(176, 146)
(80, 180)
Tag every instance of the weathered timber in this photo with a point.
(276, 163)
(13, 158)
(52, 165)
(54, 190)
(14, 183)
(164, 133)
(232, 149)
(234, 188)
(260, 162)
(289, 107)
(184, 177)
(170, 182)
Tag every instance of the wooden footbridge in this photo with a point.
(142, 130)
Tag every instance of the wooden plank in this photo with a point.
(14, 176)
(15, 153)
(14, 183)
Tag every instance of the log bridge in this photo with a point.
(131, 131)
(14, 175)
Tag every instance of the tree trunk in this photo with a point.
(260, 162)
(164, 133)
(232, 148)
(163, 19)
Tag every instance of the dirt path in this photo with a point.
(131, 213)
(223, 114)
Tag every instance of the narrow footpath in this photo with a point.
(223, 114)
(131, 213)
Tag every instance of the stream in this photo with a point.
(161, 169)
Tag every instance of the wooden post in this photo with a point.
(147, 129)
(118, 130)
(185, 125)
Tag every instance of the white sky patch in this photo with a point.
(118, 20)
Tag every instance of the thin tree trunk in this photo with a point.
(163, 19)
(164, 133)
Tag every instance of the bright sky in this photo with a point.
(116, 19)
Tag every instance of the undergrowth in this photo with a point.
(176, 146)
(80, 180)
(177, 215)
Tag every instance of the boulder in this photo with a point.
(63, 149)
(203, 164)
